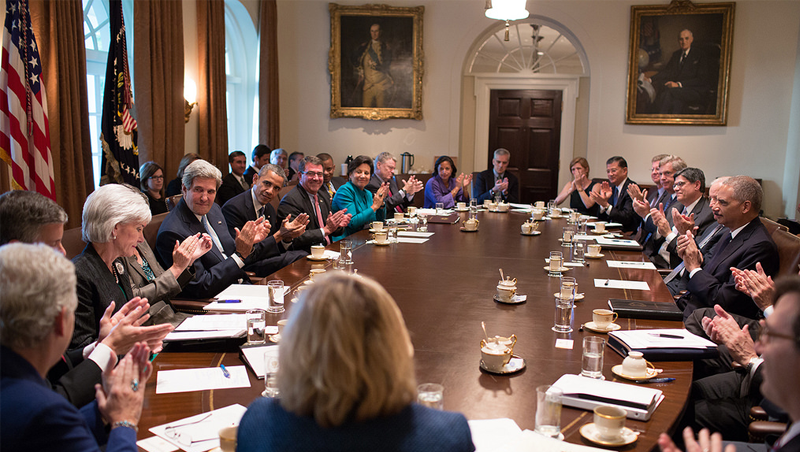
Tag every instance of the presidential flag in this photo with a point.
(120, 161)
(24, 130)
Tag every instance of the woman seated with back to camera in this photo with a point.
(359, 202)
(578, 189)
(350, 386)
(444, 188)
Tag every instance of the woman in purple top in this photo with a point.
(445, 188)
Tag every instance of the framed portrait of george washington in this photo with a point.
(679, 63)
(375, 61)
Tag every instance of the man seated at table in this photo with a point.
(197, 212)
(711, 282)
(261, 156)
(294, 162)
(496, 181)
(37, 316)
(330, 183)
(308, 198)
(397, 199)
(234, 182)
(648, 230)
(256, 203)
(279, 157)
(616, 204)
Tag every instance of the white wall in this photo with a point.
(765, 49)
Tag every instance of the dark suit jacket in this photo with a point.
(240, 209)
(397, 198)
(249, 173)
(681, 283)
(484, 182)
(230, 187)
(715, 283)
(74, 377)
(97, 288)
(648, 227)
(296, 202)
(623, 212)
(213, 273)
(703, 219)
(693, 74)
(35, 418)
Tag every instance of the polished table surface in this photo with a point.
(444, 289)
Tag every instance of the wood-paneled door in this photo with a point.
(528, 124)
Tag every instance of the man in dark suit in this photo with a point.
(261, 155)
(684, 79)
(496, 181)
(256, 203)
(234, 182)
(294, 164)
(616, 204)
(649, 234)
(197, 212)
(397, 199)
(308, 198)
(330, 183)
(711, 282)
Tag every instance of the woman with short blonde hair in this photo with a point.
(350, 384)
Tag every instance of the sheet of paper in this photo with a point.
(566, 344)
(608, 225)
(573, 264)
(631, 264)
(490, 435)
(575, 384)
(616, 242)
(517, 205)
(203, 335)
(585, 237)
(652, 339)
(256, 356)
(252, 296)
(530, 441)
(434, 212)
(202, 379)
(618, 284)
(330, 254)
(202, 428)
(411, 240)
(156, 444)
(414, 234)
(213, 322)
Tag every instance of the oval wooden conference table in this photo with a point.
(444, 288)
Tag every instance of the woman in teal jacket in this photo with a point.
(359, 201)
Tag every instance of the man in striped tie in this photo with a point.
(398, 199)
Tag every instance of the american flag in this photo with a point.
(24, 130)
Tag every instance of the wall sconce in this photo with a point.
(506, 10)
(189, 97)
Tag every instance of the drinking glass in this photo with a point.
(439, 208)
(556, 262)
(275, 288)
(569, 287)
(583, 230)
(423, 223)
(548, 410)
(270, 375)
(563, 316)
(256, 326)
(551, 207)
(566, 236)
(431, 395)
(346, 249)
(592, 361)
(578, 252)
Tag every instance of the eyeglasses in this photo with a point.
(157, 177)
(185, 438)
(313, 174)
(766, 335)
(678, 184)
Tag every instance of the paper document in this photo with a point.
(414, 234)
(156, 444)
(330, 254)
(202, 379)
(500, 435)
(214, 322)
(256, 356)
(587, 393)
(616, 242)
(434, 212)
(618, 284)
(200, 335)
(517, 205)
(662, 338)
(631, 264)
(584, 237)
(252, 296)
(202, 429)
(608, 225)
(411, 240)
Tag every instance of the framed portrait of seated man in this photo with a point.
(375, 61)
(679, 63)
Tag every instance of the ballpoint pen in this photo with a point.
(225, 371)
(655, 380)
(669, 336)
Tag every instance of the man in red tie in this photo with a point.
(398, 199)
(308, 198)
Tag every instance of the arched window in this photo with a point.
(535, 46)
(241, 69)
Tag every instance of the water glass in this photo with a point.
(256, 326)
(431, 395)
(276, 291)
(563, 316)
(346, 250)
(473, 202)
(556, 262)
(592, 361)
(439, 208)
(270, 375)
(566, 236)
(551, 206)
(569, 287)
(548, 410)
(578, 252)
(583, 229)
(423, 223)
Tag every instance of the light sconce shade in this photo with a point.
(189, 96)
(506, 10)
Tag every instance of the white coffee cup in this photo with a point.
(537, 214)
(315, 272)
(377, 225)
(603, 317)
(486, 203)
(528, 228)
(609, 421)
(461, 206)
(398, 216)
(497, 354)
(635, 365)
(380, 237)
(227, 439)
(600, 226)
(281, 325)
(503, 207)
(539, 204)
(593, 250)
(317, 251)
(506, 293)
(412, 211)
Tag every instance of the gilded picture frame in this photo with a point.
(376, 61)
(668, 85)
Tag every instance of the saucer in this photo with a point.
(318, 259)
(532, 233)
(594, 256)
(462, 210)
(651, 373)
(463, 229)
(578, 297)
(589, 431)
(600, 232)
(516, 299)
(562, 269)
(558, 216)
(386, 243)
(381, 230)
(591, 326)
(276, 338)
(515, 364)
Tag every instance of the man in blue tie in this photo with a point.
(616, 205)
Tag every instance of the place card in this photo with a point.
(566, 344)
(631, 264)
(618, 284)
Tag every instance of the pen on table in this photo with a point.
(229, 301)
(607, 281)
(225, 371)
(669, 336)
(655, 380)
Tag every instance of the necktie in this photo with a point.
(614, 195)
(707, 238)
(214, 236)
(397, 208)
(262, 212)
(331, 190)
(683, 58)
(319, 216)
(718, 249)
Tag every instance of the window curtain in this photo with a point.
(269, 102)
(158, 90)
(212, 129)
(58, 26)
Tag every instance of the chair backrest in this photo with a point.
(73, 243)
(772, 226)
(276, 201)
(788, 251)
(173, 201)
(151, 230)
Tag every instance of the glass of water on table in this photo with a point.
(431, 395)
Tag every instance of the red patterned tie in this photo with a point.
(319, 217)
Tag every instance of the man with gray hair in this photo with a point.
(198, 213)
(496, 181)
(398, 199)
(711, 282)
(279, 157)
(30, 217)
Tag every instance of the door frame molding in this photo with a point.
(484, 84)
